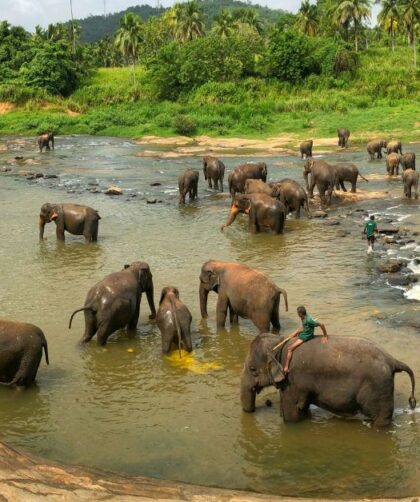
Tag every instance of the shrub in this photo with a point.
(183, 124)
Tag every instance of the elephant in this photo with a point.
(264, 212)
(174, 321)
(245, 291)
(411, 182)
(305, 148)
(343, 136)
(346, 171)
(408, 161)
(21, 347)
(323, 175)
(214, 170)
(258, 186)
(75, 218)
(238, 177)
(394, 147)
(45, 140)
(188, 184)
(114, 302)
(292, 195)
(393, 163)
(375, 147)
(345, 376)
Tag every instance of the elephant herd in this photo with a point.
(365, 373)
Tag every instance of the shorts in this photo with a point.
(305, 338)
(371, 239)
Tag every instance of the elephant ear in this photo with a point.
(276, 371)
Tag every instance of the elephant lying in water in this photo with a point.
(245, 291)
(21, 347)
(347, 375)
(114, 302)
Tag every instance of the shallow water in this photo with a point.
(128, 408)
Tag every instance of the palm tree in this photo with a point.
(128, 38)
(307, 19)
(187, 21)
(352, 12)
(389, 17)
(225, 24)
(410, 14)
(251, 18)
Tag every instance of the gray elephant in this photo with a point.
(114, 302)
(46, 141)
(343, 136)
(243, 172)
(347, 375)
(408, 161)
(323, 175)
(188, 184)
(292, 195)
(264, 212)
(305, 148)
(393, 163)
(245, 291)
(375, 147)
(394, 147)
(411, 182)
(21, 347)
(214, 170)
(174, 321)
(346, 171)
(258, 186)
(73, 218)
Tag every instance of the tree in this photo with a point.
(225, 24)
(410, 14)
(307, 19)
(187, 21)
(352, 12)
(388, 18)
(129, 37)
(251, 18)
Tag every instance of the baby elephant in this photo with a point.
(188, 184)
(174, 321)
(213, 170)
(411, 182)
(76, 219)
(45, 140)
(20, 353)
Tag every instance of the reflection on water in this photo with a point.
(127, 407)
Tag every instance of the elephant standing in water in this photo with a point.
(243, 172)
(214, 170)
(188, 184)
(394, 147)
(323, 175)
(174, 321)
(305, 148)
(114, 302)
(393, 163)
(375, 147)
(246, 292)
(45, 140)
(76, 219)
(408, 161)
(343, 137)
(21, 347)
(346, 171)
(264, 212)
(347, 375)
(292, 195)
(411, 182)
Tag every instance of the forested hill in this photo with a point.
(96, 27)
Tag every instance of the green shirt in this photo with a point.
(309, 326)
(370, 228)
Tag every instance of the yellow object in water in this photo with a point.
(130, 350)
(188, 362)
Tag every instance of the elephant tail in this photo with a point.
(400, 366)
(178, 328)
(363, 178)
(79, 310)
(284, 293)
(45, 345)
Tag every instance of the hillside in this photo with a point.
(96, 27)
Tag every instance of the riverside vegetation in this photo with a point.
(237, 74)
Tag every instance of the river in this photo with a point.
(128, 408)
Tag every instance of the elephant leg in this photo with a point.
(342, 186)
(89, 230)
(297, 214)
(103, 334)
(59, 231)
(209, 181)
(90, 327)
(186, 338)
(132, 323)
(221, 184)
(166, 343)
(221, 309)
(292, 405)
(353, 186)
(275, 318)
(311, 188)
(253, 226)
(233, 317)
(379, 410)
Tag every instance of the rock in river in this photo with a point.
(113, 190)
(389, 266)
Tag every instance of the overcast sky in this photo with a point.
(29, 13)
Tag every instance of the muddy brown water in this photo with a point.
(128, 408)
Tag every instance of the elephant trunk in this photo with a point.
(150, 301)
(41, 228)
(248, 393)
(203, 300)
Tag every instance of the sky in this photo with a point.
(29, 13)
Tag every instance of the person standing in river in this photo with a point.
(370, 230)
(303, 335)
